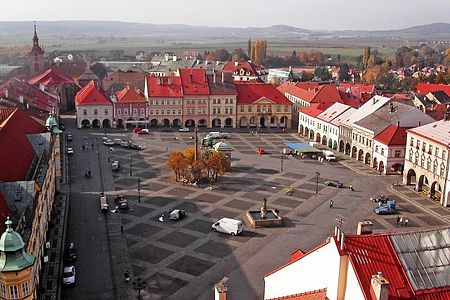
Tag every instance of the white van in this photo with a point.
(215, 134)
(227, 225)
(329, 155)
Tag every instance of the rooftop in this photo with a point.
(50, 77)
(251, 92)
(91, 94)
(438, 132)
(392, 135)
(164, 86)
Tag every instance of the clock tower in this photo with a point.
(36, 56)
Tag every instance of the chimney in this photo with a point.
(380, 287)
(398, 123)
(342, 241)
(220, 290)
(223, 77)
(236, 63)
(419, 123)
(364, 227)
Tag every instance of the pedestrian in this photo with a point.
(331, 203)
(406, 222)
(380, 171)
(161, 219)
(127, 276)
(121, 228)
(92, 145)
(108, 158)
(351, 188)
(167, 149)
(401, 221)
(398, 220)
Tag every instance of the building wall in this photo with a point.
(195, 108)
(317, 270)
(161, 108)
(21, 280)
(134, 111)
(386, 154)
(431, 161)
(353, 289)
(250, 115)
(94, 112)
(362, 139)
(222, 107)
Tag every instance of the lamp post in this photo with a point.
(131, 166)
(139, 190)
(317, 174)
(282, 159)
(139, 285)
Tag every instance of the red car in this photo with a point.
(260, 151)
(143, 131)
(137, 130)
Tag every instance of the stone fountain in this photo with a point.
(264, 217)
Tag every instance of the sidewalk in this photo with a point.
(420, 201)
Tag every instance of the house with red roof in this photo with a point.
(130, 108)
(165, 99)
(121, 78)
(246, 71)
(425, 88)
(93, 107)
(389, 149)
(59, 85)
(361, 91)
(307, 119)
(261, 105)
(194, 83)
(380, 266)
(36, 102)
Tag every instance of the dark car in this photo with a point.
(379, 199)
(177, 214)
(71, 252)
(334, 183)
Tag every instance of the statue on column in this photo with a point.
(264, 209)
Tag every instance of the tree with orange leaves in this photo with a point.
(178, 163)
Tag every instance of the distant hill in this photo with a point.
(129, 29)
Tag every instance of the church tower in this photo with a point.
(36, 56)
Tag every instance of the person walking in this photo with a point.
(331, 203)
(398, 220)
(127, 276)
(406, 222)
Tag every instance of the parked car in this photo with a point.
(69, 137)
(124, 144)
(227, 225)
(70, 151)
(71, 252)
(103, 203)
(69, 275)
(379, 198)
(334, 183)
(136, 130)
(386, 209)
(261, 151)
(121, 201)
(135, 146)
(185, 129)
(115, 166)
(177, 214)
(108, 142)
(117, 142)
(143, 131)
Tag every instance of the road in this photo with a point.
(87, 226)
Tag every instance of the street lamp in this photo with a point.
(139, 190)
(282, 158)
(139, 285)
(317, 174)
(131, 166)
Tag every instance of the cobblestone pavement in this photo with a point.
(184, 259)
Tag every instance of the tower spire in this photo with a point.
(35, 37)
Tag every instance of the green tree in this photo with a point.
(249, 48)
(344, 73)
(366, 56)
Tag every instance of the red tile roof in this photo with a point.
(247, 66)
(357, 88)
(164, 86)
(308, 85)
(312, 295)
(91, 94)
(314, 110)
(323, 93)
(17, 154)
(135, 79)
(250, 92)
(50, 78)
(194, 81)
(370, 254)
(392, 136)
(15, 90)
(129, 95)
(425, 88)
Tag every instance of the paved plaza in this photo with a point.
(184, 259)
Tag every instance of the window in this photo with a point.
(106, 111)
(435, 166)
(25, 289)
(142, 111)
(231, 110)
(249, 109)
(430, 149)
(429, 163)
(135, 111)
(162, 111)
(125, 111)
(410, 155)
(226, 110)
(157, 102)
(416, 158)
(286, 108)
(174, 112)
(382, 151)
(95, 112)
(231, 101)
(418, 144)
(258, 108)
(444, 155)
(13, 292)
(269, 108)
(422, 161)
(398, 153)
(218, 111)
(84, 111)
(214, 101)
(278, 109)
(442, 173)
(226, 101)
(151, 112)
(411, 142)
(214, 111)
(179, 111)
(437, 152)
(2, 291)
(242, 109)
(156, 112)
(424, 147)
(118, 112)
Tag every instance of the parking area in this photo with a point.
(184, 259)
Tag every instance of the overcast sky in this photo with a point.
(324, 14)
